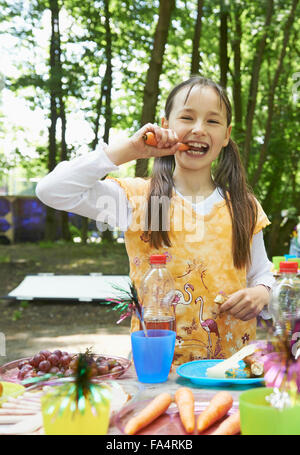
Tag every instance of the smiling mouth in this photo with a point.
(197, 149)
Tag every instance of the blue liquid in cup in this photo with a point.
(153, 355)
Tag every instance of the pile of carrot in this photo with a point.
(217, 408)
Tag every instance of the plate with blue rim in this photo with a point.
(195, 371)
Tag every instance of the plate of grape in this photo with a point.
(61, 363)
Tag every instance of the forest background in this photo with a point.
(99, 69)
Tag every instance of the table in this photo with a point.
(130, 384)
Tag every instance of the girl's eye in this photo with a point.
(213, 121)
(186, 118)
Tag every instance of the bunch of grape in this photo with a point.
(56, 362)
(62, 363)
(106, 365)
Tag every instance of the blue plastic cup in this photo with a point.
(289, 256)
(153, 355)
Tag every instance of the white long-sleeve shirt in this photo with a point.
(75, 186)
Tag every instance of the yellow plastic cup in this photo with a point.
(295, 260)
(276, 261)
(258, 417)
(94, 421)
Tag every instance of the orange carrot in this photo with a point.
(150, 139)
(230, 426)
(185, 401)
(1, 389)
(219, 405)
(154, 409)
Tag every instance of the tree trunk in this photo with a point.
(257, 62)
(195, 65)
(224, 59)
(237, 82)
(66, 234)
(107, 234)
(151, 90)
(98, 116)
(270, 110)
(50, 227)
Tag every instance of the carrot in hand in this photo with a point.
(217, 408)
(154, 409)
(185, 400)
(230, 426)
(150, 139)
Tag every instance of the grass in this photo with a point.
(19, 260)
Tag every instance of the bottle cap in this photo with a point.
(288, 267)
(158, 259)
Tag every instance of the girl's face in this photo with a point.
(201, 123)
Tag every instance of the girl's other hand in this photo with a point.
(167, 142)
(247, 303)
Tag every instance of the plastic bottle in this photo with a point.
(157, 292)
(285, 301)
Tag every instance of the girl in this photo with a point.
(212, 236)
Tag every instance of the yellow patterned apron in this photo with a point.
(200, 261)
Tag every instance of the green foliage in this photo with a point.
(83, 43)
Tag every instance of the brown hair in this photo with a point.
(229, 175)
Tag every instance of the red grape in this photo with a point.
(21, 374)
(65, 360)
(100, 359)
(37, 359)
(57, 352)
(44, 366)
(117, 369)
(53, 359)
(102, 368)
(54, 370)
(68, 372)
(26, 368)
(45, 353)
(23, 363)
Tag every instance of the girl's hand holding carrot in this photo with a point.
(152, 140)
(185, 401)
(217, 408)
(154, 409)
(149, 141)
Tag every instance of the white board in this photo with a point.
(84, 288)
